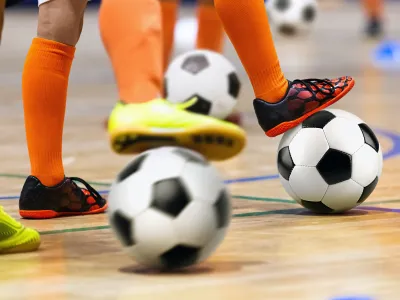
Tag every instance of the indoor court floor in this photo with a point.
(275, 249)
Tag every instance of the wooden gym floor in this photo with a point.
(274, 250)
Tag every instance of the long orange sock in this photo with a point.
(44, 94)
(246, 23)
(131, 33)
(374, 8)
(169, 11)
(210, 34)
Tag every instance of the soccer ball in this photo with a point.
(292, 16)
(207, 75)
(169, 208)
(331, 162)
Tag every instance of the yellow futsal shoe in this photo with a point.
(134, 128)
(14, 237)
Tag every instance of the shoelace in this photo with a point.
(314, 82)
(88, 187)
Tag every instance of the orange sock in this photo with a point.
(373, 9)
(131, 33)
(44, 93)
(169, 11)
(246, 23)
(210, 34)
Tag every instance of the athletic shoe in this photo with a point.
(38, 201)
(134, 128)
(15, 237)
(303, 99)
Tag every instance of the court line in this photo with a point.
(102, 227)
(394, 151)
(287, 211)
(394, 138)
(391, 135)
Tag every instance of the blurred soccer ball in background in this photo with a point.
(292, 17)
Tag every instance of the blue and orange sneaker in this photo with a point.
(303, 99)
(38, 201)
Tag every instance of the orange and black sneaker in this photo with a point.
(303, 99)
(64, 199)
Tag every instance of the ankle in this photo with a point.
(49, 180)
(275, 95)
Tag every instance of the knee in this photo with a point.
(2, 7)
(61, 20)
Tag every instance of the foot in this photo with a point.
(134, 128)
(303, 99)
(16, 238)
(374, 28)
(65, 199)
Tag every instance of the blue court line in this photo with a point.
(249, 179)
(394, 151)
(394, 138)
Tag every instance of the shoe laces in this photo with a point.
(315, 82)
(95, 194)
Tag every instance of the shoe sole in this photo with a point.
(212, 142)
(285, 126)
(50, 214)
(22, 243)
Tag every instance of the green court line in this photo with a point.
(381, 202)
(240, 215)
(79, 229)
(278, 200)
(249, 214)
(7, 175)
(294, 202)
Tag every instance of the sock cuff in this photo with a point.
(53, 46)
(269, 83)
(169, 4)
(50, 56)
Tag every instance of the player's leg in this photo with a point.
(374, 10)
(131, 32)
(169, 13)
(2, 9)
(47, 193)
(280, 104)
(210, 34)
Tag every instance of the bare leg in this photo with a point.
(2, 8)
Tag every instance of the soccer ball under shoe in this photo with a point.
(331, 162)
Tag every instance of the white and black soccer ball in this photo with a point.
(207, 75)
(291, 17)
(331, 162)
(169, 208)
